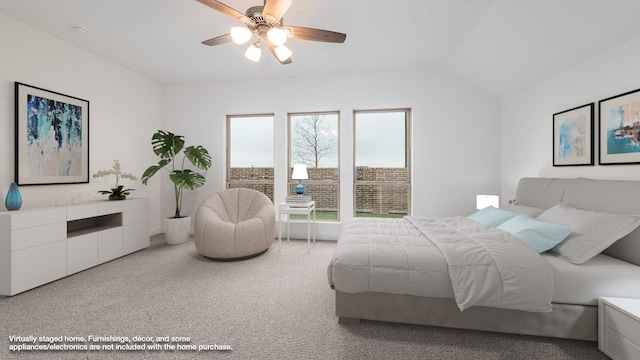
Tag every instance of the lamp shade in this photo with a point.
(253, 52)
(276, 36)
(483, 201)
(240, 35)
(299, 172)
(283, 53)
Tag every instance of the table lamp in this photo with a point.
(299, 173)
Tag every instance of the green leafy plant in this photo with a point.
(169, 147)
(118, 192)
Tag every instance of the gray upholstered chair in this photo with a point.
(234, 224)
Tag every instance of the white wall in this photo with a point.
(455, 127)
(526, 118)
(124, 112)
(455, 130)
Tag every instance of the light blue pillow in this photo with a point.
(492, 216)
(539, 236)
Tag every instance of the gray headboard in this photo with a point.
(612, 196)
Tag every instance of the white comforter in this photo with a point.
(417, 255)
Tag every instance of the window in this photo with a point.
(382, 185)
(313, 141)
(250, 153)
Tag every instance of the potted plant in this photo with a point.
(118, 192)
(173, 158)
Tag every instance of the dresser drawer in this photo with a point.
(23, 219)
(622, 324)
(38, 235)
(82, 252)
(135, 203)
(109, 244)
(619, 346)
(136, 237)
(38, 265)
(82, 211)
(109, 207)
(135, 216)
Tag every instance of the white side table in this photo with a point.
(619, 327)
(289, 209)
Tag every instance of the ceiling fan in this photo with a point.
(266, 22)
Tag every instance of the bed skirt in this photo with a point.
(567, 321)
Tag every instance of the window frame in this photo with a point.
(241, 183)
(408, 157)
(335, 182)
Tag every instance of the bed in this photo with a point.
(382, 270)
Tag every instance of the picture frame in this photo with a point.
(51, 137)
(573, 136)
(619, 129)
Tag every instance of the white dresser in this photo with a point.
(41, 245)
(619, 327)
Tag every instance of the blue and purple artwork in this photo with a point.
(54, 137)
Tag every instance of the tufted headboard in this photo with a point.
(612, 196)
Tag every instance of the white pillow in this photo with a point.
(592, 232)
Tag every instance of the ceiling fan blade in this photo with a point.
(222, 39)
(216, 5)
(275, 8)
(303, 33)
(273, 51)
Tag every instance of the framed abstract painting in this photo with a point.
(52, 137)
(620, 129)
(573, 136)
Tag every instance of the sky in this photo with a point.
(251, 142)
(380, 140)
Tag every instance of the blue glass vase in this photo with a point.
(13, 200)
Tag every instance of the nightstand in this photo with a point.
(302, 208)
(619, 327)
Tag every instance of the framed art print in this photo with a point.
(620, 129)
(573, 136)
(52, 137)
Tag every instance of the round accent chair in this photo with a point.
(234, 224)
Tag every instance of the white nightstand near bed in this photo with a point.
(304, 208)
(619, 327)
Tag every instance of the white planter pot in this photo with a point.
(176, 230)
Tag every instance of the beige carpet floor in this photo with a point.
(275, 306)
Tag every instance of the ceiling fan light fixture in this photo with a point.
(276, 36)
(265, 22)
(283, 52)
(253, 52)
(240, 35)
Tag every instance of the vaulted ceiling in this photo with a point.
(499, 46)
